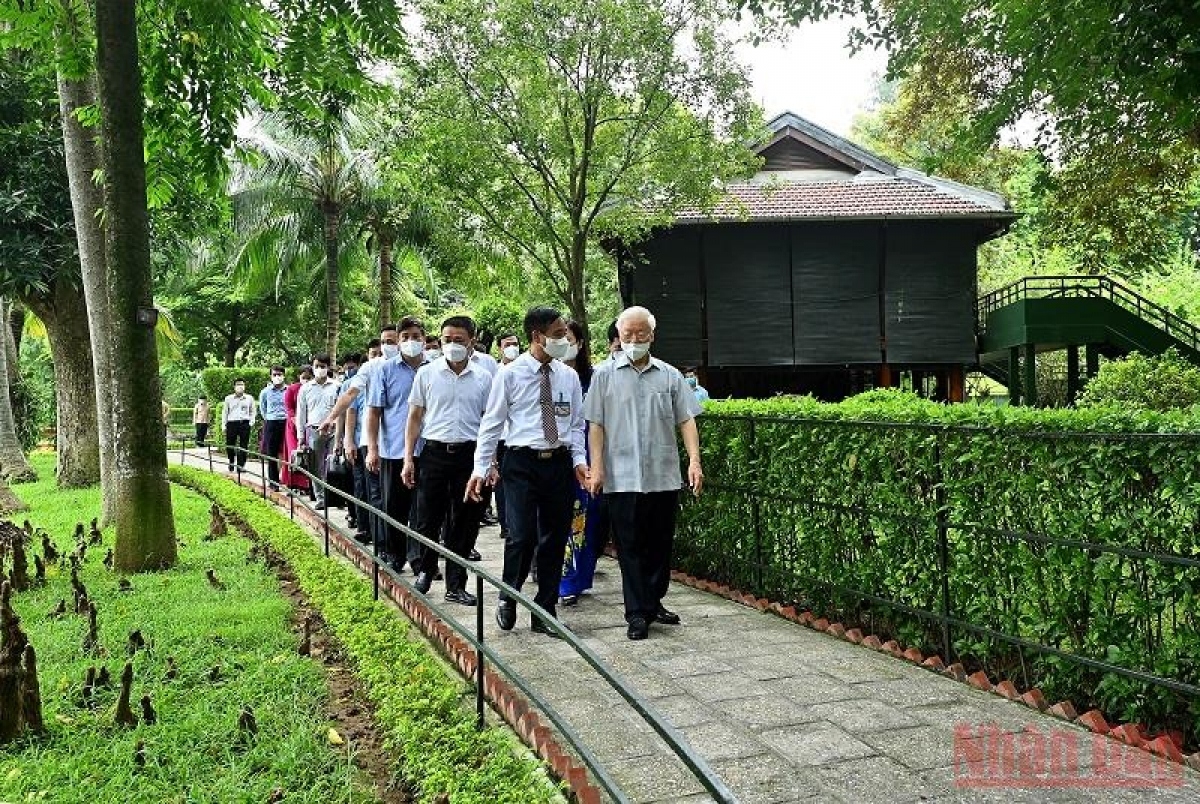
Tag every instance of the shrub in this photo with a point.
(218, 382)
(1165, 382)
(831, 505)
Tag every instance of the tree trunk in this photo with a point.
(333, 304)
(83, 161)
(386, 289)
(78, 439)
(16, 326)
(576, 290)
(145, 525)
(231, 340)
(13, 465)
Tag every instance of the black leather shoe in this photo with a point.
(423, 582)
(489, 519)
(362, 538)
(666, 616)
(638, 628)
(506, 615)
(539, 627)
(461, 596)
(474, 556)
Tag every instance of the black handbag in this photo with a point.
(340, 477)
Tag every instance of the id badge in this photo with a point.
(562, 407)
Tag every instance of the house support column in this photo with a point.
(1072, 374)
(1014, 375)
(1030, 383)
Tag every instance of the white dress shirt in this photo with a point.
(238, 409)
(485, 361)
(362, 382)
(516, 401)
(453, 402)
(314, 403)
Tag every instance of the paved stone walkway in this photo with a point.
(785, 714)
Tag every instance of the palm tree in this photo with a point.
(399, 235)
(293, 194)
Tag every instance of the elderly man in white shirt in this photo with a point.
(634, 406)
(540, 402)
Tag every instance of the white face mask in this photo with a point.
(320, 372)
(557, 347)
(455, 352)
(412, 348)
(635, 351)
(572, 352)
(238, 389)
(432, 354)
(390, 350)
(511, 352)
(276, 379)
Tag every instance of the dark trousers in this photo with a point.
(644, 528)
(376, 526)
(272, 445)
(397, 503)
(537, 492)
(439, 504)
(500, 493)
(201, 433)
(361, 518)
(237, 439)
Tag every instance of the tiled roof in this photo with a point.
(882, 197)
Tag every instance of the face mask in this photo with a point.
(511, 352)
(390, 350)
(276, 379)
(635, 351)
(237, 389)
(572, 352)
(432, 354)
(320, 372)
(557, 347)
(412, 348)
(691, 381)
(455, 352)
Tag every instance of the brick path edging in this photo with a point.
(1167, 745)
(504, 698)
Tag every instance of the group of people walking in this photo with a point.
(432, 427)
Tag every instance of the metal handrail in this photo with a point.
(1103, 287)
(936, 518)
(696, 764)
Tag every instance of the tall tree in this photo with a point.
(298, 190)
(39, 259)
(145, 525)
(556, 122)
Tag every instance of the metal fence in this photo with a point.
(484, 652)
(1064, 559)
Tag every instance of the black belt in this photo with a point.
(443, 446)
(540, 454)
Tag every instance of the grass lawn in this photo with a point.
(193, 752)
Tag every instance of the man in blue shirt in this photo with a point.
(270, 404)
(387, 414)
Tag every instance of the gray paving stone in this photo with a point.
(878, 779)
(915, 691)
(684, 710)
(769, 779)
(655, 779)
(716, 740)
(763, 712)
(861, 716)
(690, 663)
(919, 748)
(721, 686)
(816, 744)
(814, 688)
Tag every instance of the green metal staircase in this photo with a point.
(1050, 313)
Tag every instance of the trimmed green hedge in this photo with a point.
(218, 381)
(418, 704)
(803, 497)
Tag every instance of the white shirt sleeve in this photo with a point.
(492, 424)
(301, 413)
(575, 434)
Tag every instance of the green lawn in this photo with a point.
(192, 752)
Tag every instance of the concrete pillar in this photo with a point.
(1093, 360)
(1030, 384)
(1014, 375)
(1073, 384)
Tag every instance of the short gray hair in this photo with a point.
(637, 312)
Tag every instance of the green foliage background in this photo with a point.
(805, 500)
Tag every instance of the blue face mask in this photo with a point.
(691, 381)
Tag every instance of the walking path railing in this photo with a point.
(485, 653)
